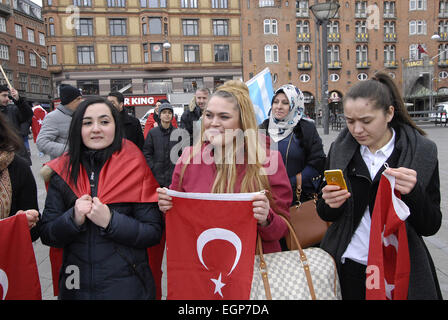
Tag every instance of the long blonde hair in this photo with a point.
(255, 178)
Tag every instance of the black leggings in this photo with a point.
(353, 280)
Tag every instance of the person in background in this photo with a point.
(191, 117)
(19, 114)
(53, 135)
(100, 209)
(153, 119)
(379, 130)
(131, 125)
(298, 140)
(18, 191)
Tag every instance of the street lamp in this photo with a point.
(324, 12)
(166, 45)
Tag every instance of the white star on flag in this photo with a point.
(218, 285)
(40, 121)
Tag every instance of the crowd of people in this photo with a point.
(95, 146)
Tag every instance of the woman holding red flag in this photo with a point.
(101, 210)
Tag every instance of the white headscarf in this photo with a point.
(280, 129)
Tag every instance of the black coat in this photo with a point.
(157, 152)
(132, 129)
(112, 262)
(24, 190)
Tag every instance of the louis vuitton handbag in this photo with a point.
(302, 274)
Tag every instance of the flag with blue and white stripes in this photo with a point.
(261, 93)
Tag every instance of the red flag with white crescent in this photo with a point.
(388, 246)
(210, 246)
(125, 177)
(39, 114)
(19, 277)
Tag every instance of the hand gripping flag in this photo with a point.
(39, 114)
(19, 277)
(261, 93)
(388, 261)
(125, 177)
(210, 246)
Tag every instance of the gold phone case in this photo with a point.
(335, 177)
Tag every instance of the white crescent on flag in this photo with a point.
(4, 283)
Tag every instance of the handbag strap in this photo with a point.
(303, 260)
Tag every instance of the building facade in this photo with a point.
(364, 37)
(23, 53)
(148, 49)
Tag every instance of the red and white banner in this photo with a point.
(388, 261)
(38, 119)
(210, 246)
(19, 277)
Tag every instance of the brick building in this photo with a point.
(23, 49)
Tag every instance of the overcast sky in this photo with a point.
(39, 2)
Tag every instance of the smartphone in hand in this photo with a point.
(335, 177)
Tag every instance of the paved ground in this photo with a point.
(437, 244)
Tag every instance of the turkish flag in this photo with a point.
(421, 49)
(38, 118)
(125, 177)
(210, 246)
(19, 277)
(388, 258)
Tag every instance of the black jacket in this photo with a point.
(24, 190)
(132, 129)
(411, 151)
(112, 262)
(187, 119)
(157, 152)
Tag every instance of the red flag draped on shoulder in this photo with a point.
(19, 277)
(210, 245)
(125, 177)
(39, 114)
(388, 266)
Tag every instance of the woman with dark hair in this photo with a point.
(379, 131)
(101, 209)
(18, 191)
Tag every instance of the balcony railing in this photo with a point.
(302, 14)
(335, 64)
(363, 65)
(391, 64)
(305, 66)
(443, 36)
(5, 10)
(361, 15)
(334, 37)
(362, 37)
(390, 37)
(389, 15)
(443, 63)
(304, 37)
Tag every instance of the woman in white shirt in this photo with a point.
(379, 130)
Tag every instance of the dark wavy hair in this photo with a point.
(383, 91)
(76, 147)
(9, 140)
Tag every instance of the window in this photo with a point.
(158, 85)
(189, 3)
(51, 27)
(23, 82)
(117, 27)
(362, 76)
(222, 53)
(34, 84)
(266, 3)
(220, 27)
(26, 7)
(443, 75)
(33, 60)
(118, 84)
(88, 87)
(302, 8)
(119, 54)
(361, 9)
(415, 53)
(41, 39)
(417, 5)
(116, 3)
(303, 54)
(304, 77)
(30, 35)
(145, 53)
(332, 27)
(219, 4)
(45, 85)
(389, 54)
(85, 27)
(4, 52)
(389, 27)
(155, 26)
(191, 53)
(443, 8)
(82, 3)
(333, 54)
(43, 62)
(192, 84)
(86, 55)
(190, 27)
(153, 3)
(417, 27)
(20, 56)
(2, 24)
(361, 27)
(270, 53)
(443, 51)
(389, 9)
(156, 52)
(334, 77)
(270, 26)
(18, 29)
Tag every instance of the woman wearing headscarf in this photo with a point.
(298, 140)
